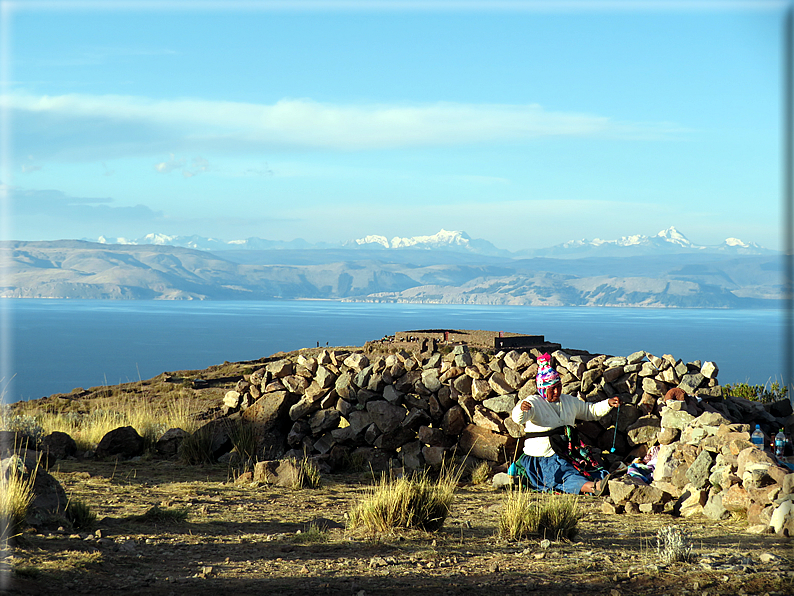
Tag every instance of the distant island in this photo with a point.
(448, 268)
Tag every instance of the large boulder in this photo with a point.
(167, 446)
(58, 445)
(123, 442)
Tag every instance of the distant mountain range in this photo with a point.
(669, 241)
(665, 270)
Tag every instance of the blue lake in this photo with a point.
(53, 346)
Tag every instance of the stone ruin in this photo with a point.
(402, 411)
(408, 410)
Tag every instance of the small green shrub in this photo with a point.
(767, 393)
(80, 514)
(554, 517)
(244, 438)
(159, 515)
(312, 534)
(196, 448)
(308, 475)
(24, 424)
(406, 503)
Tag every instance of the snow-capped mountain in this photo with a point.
(443, 240)
(669, 241)
(666, 242)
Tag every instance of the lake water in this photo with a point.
(53, 346)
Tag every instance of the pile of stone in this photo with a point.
(412, 410)
(707, 465)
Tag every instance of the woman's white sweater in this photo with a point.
(544, 416)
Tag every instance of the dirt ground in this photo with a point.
(244, 539)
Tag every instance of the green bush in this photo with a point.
(308, 475)
(159, 515)
(767, 393)
(196, 448)
(80, 514)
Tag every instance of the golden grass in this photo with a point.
(550, 516)
(88, 429)
(416, 502)
(16, 496)
(480, 473)
(308, 475)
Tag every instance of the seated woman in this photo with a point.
(540, 415)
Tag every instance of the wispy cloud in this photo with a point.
(305, 124)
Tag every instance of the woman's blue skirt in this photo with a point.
(549, 474)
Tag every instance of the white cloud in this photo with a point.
(306, 124)
(164, 167)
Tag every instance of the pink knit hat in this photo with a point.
(547, 376)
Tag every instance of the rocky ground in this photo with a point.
(243, 538)
(240, 538)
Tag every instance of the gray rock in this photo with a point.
(324, 420)
(454, 421)
(279, 369)
(430, 380)
(690, 382)
(713, 508)
(676, 418)
(168, 445)
(502, 404)
(344, 386)
(391, 395)
(698, 473)
(644, 431)
(387, 417)
(356, 362)
(709, 370)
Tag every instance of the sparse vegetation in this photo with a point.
(16, 496)
(416, 502)
(766, 393)
(673, 545)
(24, 424)
(164, 515)
(524, 513)
(88, 428)
(80, 515)
(196, 448)
(244, 438)
(312, 534)
(480, 473)
(308, 475)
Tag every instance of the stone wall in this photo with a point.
(411, 409)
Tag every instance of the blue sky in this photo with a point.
(527, 125)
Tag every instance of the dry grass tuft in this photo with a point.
(525, 513)
(416, 502)
(16, 496)
(481, 473)
(308, 475)
(673, 545)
